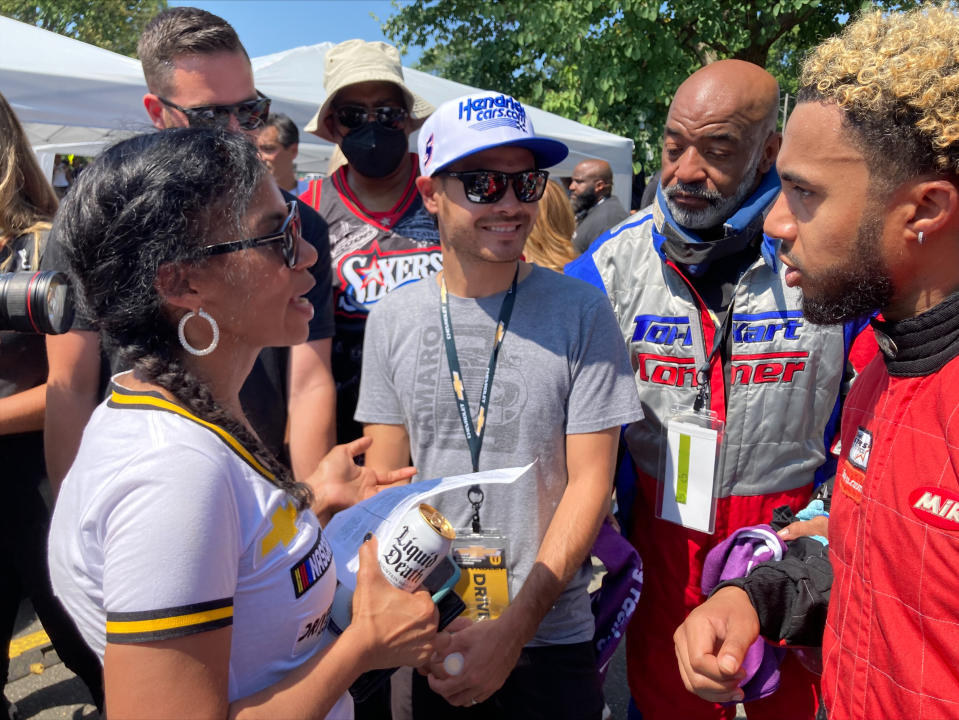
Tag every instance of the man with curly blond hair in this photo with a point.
(869, 218)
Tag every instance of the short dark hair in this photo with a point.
(286, 131)
(181, 31)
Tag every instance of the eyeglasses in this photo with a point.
(249, 114)
(353, 116)
(288, 234)
(489, 186)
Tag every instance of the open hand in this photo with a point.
(338, 482)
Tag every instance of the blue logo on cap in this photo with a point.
(429, 151)
(485, 113)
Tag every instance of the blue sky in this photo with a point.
(268, 26)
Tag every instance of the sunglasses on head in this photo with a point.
(288, 234)
(249, 114)
(353, 116)
(489, 186)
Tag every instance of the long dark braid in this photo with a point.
(148, 201)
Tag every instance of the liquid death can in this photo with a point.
(418, 542)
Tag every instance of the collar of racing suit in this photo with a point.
(923, 344)
(683, 246)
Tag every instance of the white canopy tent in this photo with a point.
(73, 97)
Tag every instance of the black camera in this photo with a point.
(36, 302)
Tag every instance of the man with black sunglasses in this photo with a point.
(380, 235)
(542, 360)
(199, 74)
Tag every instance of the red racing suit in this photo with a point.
(778, 394)
(891, 645)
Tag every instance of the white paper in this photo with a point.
(347, 528)
(696, 511)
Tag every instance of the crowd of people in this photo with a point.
(253, 353)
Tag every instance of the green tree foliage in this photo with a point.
(611, 64)
(111, 24)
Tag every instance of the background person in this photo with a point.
(549, 243)
(191, 560)
(198, 73)
(595, 206)
(27, 204)
(380, 235)
(279, 143)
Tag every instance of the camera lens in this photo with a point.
(36, 302)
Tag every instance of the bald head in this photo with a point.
(720, 140)
(592, 180)
(731, 88)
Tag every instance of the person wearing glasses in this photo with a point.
(558, 388)
(192, 561)
(198, 74)
(380, 235)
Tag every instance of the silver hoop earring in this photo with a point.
(922, 236)
(213, 326)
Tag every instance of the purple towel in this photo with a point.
(615, 601)
(734, 557)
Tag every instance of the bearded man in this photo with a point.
(716, 338)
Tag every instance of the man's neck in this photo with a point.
(381, 194)
(480, 279)
(287, 183)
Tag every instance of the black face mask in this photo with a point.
(374, 150)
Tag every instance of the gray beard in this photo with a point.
(720, 208)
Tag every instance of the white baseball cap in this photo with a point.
(480, 121)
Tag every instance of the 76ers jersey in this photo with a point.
(373, 254)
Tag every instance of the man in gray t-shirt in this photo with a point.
(562, 386)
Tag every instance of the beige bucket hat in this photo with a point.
(357, 61)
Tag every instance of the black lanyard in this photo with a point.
(474, 434)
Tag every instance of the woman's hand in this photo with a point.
(338, 482)
(394, 626)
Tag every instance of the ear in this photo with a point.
(428, 187)
(331, 126)
(154, 109)
(174, 288)
(770, 150)
(933, 206)
(295, 149)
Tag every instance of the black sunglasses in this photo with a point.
(249, 114)
(489, 186)
(288, 234)
(353, 116)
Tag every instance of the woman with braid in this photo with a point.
(193, 564)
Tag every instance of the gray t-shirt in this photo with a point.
(563, 369)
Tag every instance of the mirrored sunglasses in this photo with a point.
(353, 116)
(249, 114)
(288, 234)
(489, 186)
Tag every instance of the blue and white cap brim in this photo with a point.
(546, 151)
(477, 122)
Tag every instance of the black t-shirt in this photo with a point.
(264, 393)
(23, 365)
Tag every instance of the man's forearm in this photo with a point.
(67, 414)
(311, 407)
(571, 532)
